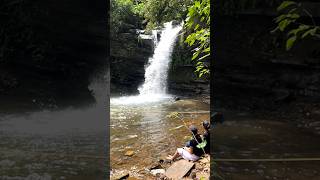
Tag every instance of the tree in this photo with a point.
(157, 12)
(198, 22)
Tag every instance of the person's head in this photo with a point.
(193, 129)
(206, 125)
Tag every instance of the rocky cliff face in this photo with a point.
(252, 70)
(182, 79)
(50, 49)
(129, 55)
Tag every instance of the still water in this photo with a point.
(62, 143)
(248, 136)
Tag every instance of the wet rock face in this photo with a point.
(253, 68)
(182, 80)
(128, 59)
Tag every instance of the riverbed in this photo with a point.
(150, 132)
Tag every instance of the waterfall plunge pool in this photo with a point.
(147, 130)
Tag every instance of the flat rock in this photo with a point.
(132, 178)
(204, 160)
(179, 169)
(119, 176)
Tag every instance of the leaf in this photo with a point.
(207, 49)
(294, 16)
(300, 28)
(197, 26)
(195, 55)
(283, 24)
(280, 18)
(290, 42)
(311, 32)
(285, 4)
(197, 4)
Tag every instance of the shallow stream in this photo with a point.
(148, 131)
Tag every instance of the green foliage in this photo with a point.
(289, 22)
(157, 12)
(125, 14)
(285, 4)
(198, 22)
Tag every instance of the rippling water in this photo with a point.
(147, 130)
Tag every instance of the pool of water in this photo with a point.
(148, 131)
(244, 136)
(62, 144)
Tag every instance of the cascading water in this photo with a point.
(154, 87)
(157, 72)
(155, 37)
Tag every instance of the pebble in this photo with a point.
(129, 153)
(157, 171)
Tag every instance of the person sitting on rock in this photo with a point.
(206, 136)
(197, 138)
(187, 152)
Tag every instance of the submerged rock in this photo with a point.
(129, 153)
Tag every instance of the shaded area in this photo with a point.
(246, 136)
(269, 98)
(48, 49)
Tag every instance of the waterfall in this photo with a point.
(155, 37)
(157, 71)
(154, 88)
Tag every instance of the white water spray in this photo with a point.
(154, 88)
(157, 72)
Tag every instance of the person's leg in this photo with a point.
(175, 155)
